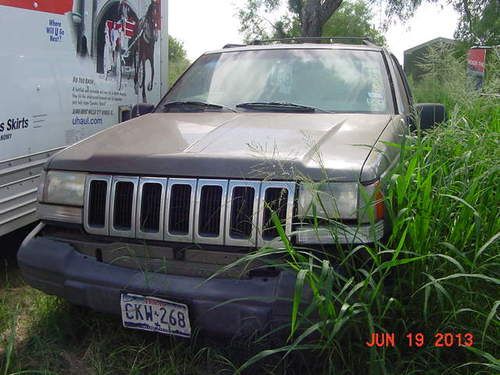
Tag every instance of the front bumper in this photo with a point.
(226, 307)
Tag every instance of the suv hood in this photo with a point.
(235, 145)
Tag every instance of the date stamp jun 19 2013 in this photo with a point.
(419, 340)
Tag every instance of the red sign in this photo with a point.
(476, 59)
(128, 27)
(49, 6)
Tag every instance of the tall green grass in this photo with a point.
(439, 269)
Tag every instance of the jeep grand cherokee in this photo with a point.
(136, 218)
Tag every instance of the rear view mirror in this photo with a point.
(430, 114)
(141, 109)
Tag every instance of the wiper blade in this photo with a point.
(279, 106)
(193, 103)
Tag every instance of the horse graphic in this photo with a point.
(146, 35)
(117, 56)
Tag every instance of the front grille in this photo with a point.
(210, 208)
(122, 213)
(151, 207)
(241, 220)
(180, 202)
(275, 201)
(97, 204)
(224, 212)
(122, 206)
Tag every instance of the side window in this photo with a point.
(405, 81)
(403, 84)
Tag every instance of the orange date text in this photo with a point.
(419, 340)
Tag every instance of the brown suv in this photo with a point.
(136, 218)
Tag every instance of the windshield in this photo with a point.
(326, 79)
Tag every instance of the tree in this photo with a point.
(353, 18)
(177, 59)
(315, 13)
(309, 15)
(479, 22)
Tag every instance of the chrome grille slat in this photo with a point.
(172, 234)
(240, 218)
(210, 211)
(201, 209)
(150, 220)
(123, 206)
(275, 201)
(87, 224)
(124, 192)
(205, 211)
(150, 214)
(97, 213)
(262, 239)
(230, 239)
(180, 198)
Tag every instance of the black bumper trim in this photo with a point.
(227, 307)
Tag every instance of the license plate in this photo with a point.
(155, 314)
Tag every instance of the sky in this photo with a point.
(204, 25)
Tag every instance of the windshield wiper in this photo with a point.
(279, 107)
(196, 104)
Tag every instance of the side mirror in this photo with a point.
(430, 114)
(141, 109)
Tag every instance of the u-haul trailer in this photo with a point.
(68, 69)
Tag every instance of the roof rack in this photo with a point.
(367, 41)
(233, 45)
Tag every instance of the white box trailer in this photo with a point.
(68, 69)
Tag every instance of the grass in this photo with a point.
(437, 272)
(53, 337)
(41, 334)
(442, 260)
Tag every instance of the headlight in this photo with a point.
(65, 188)
(335, 200)
(357, 208)
(41, 186)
